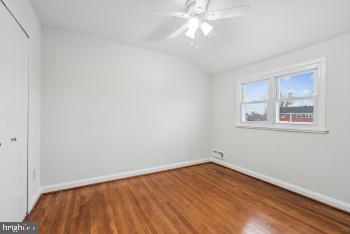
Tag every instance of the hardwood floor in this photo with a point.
(206, 198)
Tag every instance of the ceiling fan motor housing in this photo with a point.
(196, 7)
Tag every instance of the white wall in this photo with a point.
(110, 108)
(30, 22)
(319, 163)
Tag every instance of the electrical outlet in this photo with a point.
(218, 154)
(34, 174)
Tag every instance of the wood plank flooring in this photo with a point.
(206, 198)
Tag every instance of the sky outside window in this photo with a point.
(299, 85)
(256, 91)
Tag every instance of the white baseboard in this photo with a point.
(106, 178)
(291, 187)
(297, 189)
(34, 200)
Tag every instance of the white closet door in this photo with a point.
(13, 118)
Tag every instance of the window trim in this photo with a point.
(319, 124)
(242, 102)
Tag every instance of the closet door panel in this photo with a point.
(13, 118)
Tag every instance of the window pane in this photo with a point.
(255, 112)
(298, 111)
(255, 91)
(298, 85)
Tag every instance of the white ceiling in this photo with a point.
(272, 27)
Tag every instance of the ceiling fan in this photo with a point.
(200, 13)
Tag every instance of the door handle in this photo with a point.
(13, 139)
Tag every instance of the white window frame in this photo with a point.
(242, 102)
(319, 95)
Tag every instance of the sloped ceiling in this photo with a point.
(272, 27)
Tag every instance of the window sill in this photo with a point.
(278, 128)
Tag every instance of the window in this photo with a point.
(254, 105)
(287, 99)
(296, 97)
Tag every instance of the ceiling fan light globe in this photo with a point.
(193, 23)
(206, 28)
(191, 33)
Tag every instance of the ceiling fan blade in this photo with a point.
(228, 13)
(178, 32)
(163, 31)
(166, 12)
